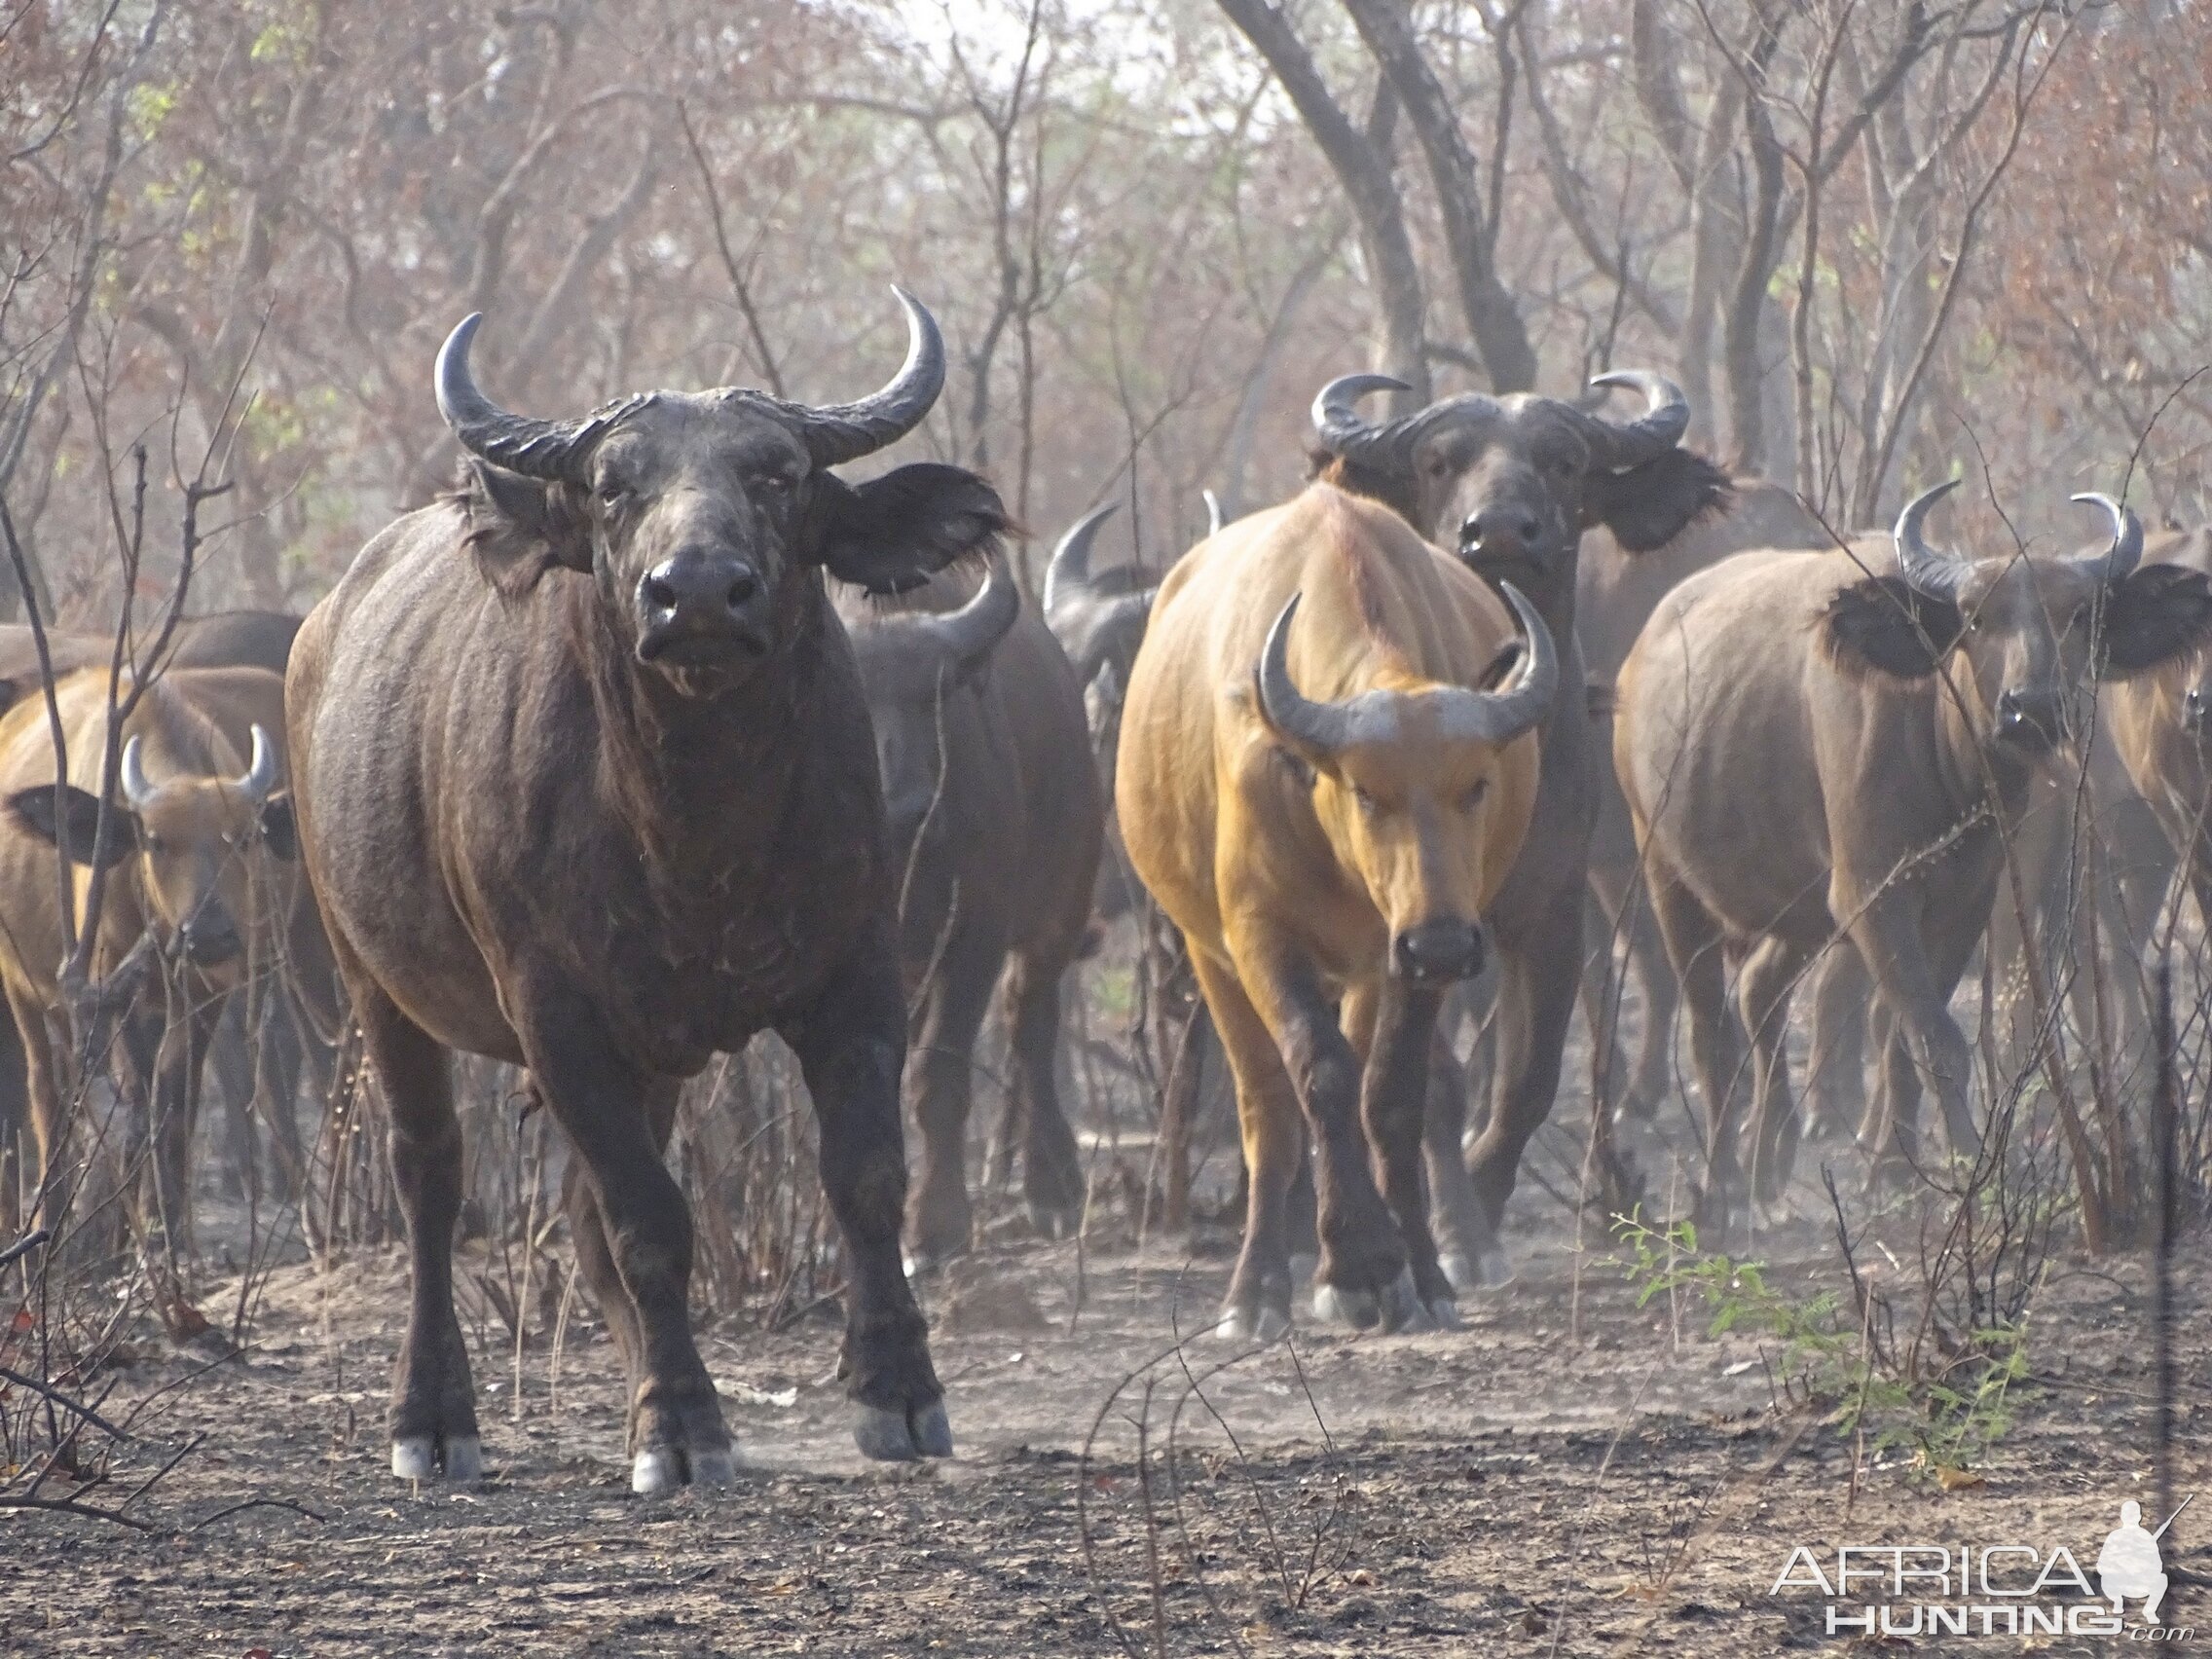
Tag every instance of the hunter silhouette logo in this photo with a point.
(2129, 1567)
(1993, 1588)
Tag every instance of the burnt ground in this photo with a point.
(1570, 1474)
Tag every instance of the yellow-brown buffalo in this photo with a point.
(1320, 784)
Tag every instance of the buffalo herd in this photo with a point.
(657, 732)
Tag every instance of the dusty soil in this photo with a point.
(1570, 1474)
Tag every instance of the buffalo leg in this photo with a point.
(937, 1086)
(1455, 1212)
(594, 1254)
(1393, 1102)
(1835, 1049)
(1887, 934)
(1535, 1004)
(608, 1109)
(433, 1401)
(41, 1110)
(194, 1016)
(1762, 994)
(1052, 1166)
(1694, 949)
(14, 1127)
(849, 1050)
(1258, 1305)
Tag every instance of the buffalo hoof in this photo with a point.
(1444, 1315)
(1403, 1309)
(1459, 1271)
(418, 1458)
(661, 1469)
(1052, 1222)
(1238, 1325)
(1495, 1267)
(901, 1436)
(1358, 1309)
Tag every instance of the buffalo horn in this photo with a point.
(137, 788)
(261, 771)
(845, 431)
(514, 443)
(1463, 715)
(2116, 563)
(1930, 571)
(1659, 428)
(1213, 513)
(1069, 571)
(969, 635)
(1342, 428)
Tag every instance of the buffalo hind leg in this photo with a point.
(1835, 1048)
(1762, 994)
(1258, 1305)
(939, 1088)
(849, 1046)
(1052, 1166)
(433, 1401)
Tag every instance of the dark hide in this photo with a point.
(891, 533)
(1394, 490)
(519, 528)
(1647, 506)
(33, 810)
(1881, 626)
(2159, 614)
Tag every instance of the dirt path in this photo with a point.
(1570, 1474)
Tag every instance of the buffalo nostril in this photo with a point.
(658, 593)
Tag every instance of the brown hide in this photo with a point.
(1293, 874)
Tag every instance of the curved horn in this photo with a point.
(1661, 425)
(2118, 562)
(845, 431)
(1323, 728)
(1070, 566)
(1344, 430)
(1927, 569)
(261, 771)
(517, 443)
(137, 788)
(969, 635)
(1500, 717)
(1213, 513)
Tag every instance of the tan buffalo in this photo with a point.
(202, 857)
(1324, 793)
(2161, 722)
(1815, 746)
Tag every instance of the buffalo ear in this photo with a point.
(520, 528)
(2161, 612)
(1883, 626)
(33, 810)
(1647, 506)
(13, 689)
(279, 829)
(892, 533)
(1396, 490)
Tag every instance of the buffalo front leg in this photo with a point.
(1888, 933)
(195, 1012)
(1362, 1256)
(849, 1046)
(1835, 1048)
(1536, 1002)
(615, 1118)
(1401, 1037)
(433, 1401)
(1258, 1305)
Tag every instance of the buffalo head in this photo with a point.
(909, 663)
(698, 515)
(1513, 482)
(2029, 632)
(193, 840)
(1406, 786)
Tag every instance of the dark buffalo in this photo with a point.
(586, 783)
(1510, 483)
(996, 819)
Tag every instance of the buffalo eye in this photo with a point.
(612, 492)
(1366, 802)
(1561, 466)
(1474, 796)
(155, 844)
